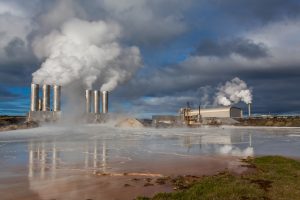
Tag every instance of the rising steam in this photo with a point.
(84, 51)
(233, 92)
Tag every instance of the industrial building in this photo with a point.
(41, 110)
(189, 116)
(222, 112)
(210, 115)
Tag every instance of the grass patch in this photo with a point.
(275, 178)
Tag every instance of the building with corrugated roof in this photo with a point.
(222, 112)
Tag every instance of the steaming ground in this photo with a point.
(53, 162)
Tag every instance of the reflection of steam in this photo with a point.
(235, 151)
(213, 141)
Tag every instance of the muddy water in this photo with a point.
(102, 162)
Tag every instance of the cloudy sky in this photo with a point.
(187, 49)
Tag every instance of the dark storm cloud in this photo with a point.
(243, 47)
(276, 95)
(16, 47)
(149, 23)
(18, 73)
(265, 11)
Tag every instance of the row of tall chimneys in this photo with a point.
(95, 96)
(43, 104)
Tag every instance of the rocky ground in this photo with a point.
(8, 123)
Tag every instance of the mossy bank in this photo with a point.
(272, 178)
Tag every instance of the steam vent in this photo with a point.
(40, 108)
(93, 100)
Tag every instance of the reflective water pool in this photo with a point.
(94, 161)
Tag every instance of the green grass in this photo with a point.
(275, 178)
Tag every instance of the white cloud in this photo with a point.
(14, 24)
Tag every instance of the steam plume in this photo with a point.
(85, 51)
(233, 92)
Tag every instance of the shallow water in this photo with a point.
(41, 162)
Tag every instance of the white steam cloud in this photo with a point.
(233, 92)
(85, 51)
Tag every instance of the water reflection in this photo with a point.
(233, 144)
(46, 158)
(59, 161)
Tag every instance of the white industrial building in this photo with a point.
(189, 116)
(223, 112)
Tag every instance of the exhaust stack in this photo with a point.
(249, 109)
(88, 100)
(105, 102)
(96, 101)
(56, 98)
(34, 106)
(40, 105)
(46, 97)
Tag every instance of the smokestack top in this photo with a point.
(249, 109)
(46, 97)
(34, 97)
(56, 98)
(88, 99)
(104, 101)
(96, 101)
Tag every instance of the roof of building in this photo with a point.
(218, 109)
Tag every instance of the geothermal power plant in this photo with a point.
(42, 111)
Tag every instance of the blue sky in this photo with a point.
(188, 49)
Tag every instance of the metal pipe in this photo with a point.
(34, 97)
(96, 101)
(56, 98)
(88, 100)
(249, 109)
(105, 102)
(46, 97)
(40, 105)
